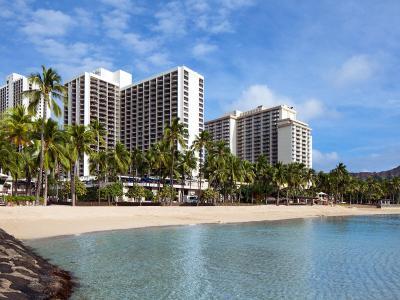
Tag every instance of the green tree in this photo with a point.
(47, 90)
(210, 195)
(136, 192)
(112, 191)
(53, 149)
(98, 164)
(174, 135)
(187, 162)
(80, 188)
(119, 160)
(166, 193)
(138, 162)
(200, 144)
(80, 138)
(279, 178)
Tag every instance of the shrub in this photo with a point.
(166, 193)
(136, 192)
(209, 195)
(91, 194)
(112, 190)
(149, 196)
(22, 199)
(80, 188)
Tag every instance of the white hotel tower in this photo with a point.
(148, 106)
(96, 96)
(273, 132)
(136, 113)
(11, 94)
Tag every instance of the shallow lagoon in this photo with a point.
(329, 258)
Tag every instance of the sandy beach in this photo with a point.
(51, 221)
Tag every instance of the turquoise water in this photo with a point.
(334, 258)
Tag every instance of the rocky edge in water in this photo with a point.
(25, 275)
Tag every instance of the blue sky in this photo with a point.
(337, 62)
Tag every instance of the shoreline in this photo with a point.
(28, 223)
(26, 241)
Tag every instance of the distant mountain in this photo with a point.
(382, 174)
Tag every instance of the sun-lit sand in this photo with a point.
(41, 222)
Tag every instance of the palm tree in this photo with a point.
(215, 165)
(54, 151)
(119, 159)
(158, 158)
(80, 140)
(137, 161)
(187, 162)
(201, 143)
(248, 175)
(280, 178)
(340, 176)
(29, 161)
(264, 173)
(47, 89)
(174, 135)
(396, 189)
(17, 128)
(98, 163)
(99, 132)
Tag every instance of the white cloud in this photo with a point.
(311, 109)
(154, 61)
(202, 49)
(171, 19)
(216, 19)
(260, 94)
(72, 58)
(235, 4)
(116, 23)
(324, 161)
(256, 95)
(159, 59)
(117, 3)
(356, 69)
(47, 23)
(15, 10)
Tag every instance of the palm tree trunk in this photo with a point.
(277, 199)
(287, 197)
(15, 186)
(73, 196)
(171, 177)
(28, 187)
(183, 189)
(199, 183)
(45, 188)
(39, 179)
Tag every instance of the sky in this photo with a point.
(336, 62)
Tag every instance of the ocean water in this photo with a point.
(329, 258)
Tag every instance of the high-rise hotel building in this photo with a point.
(96, 96)
(273, 132)
(148, 106)
(136, 113)
(11, 94)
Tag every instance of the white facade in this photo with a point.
(136, 113)
(96, 96)
(294, 142)
(149, 105)
(265, 131)
(11, 94)
(225, 129)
